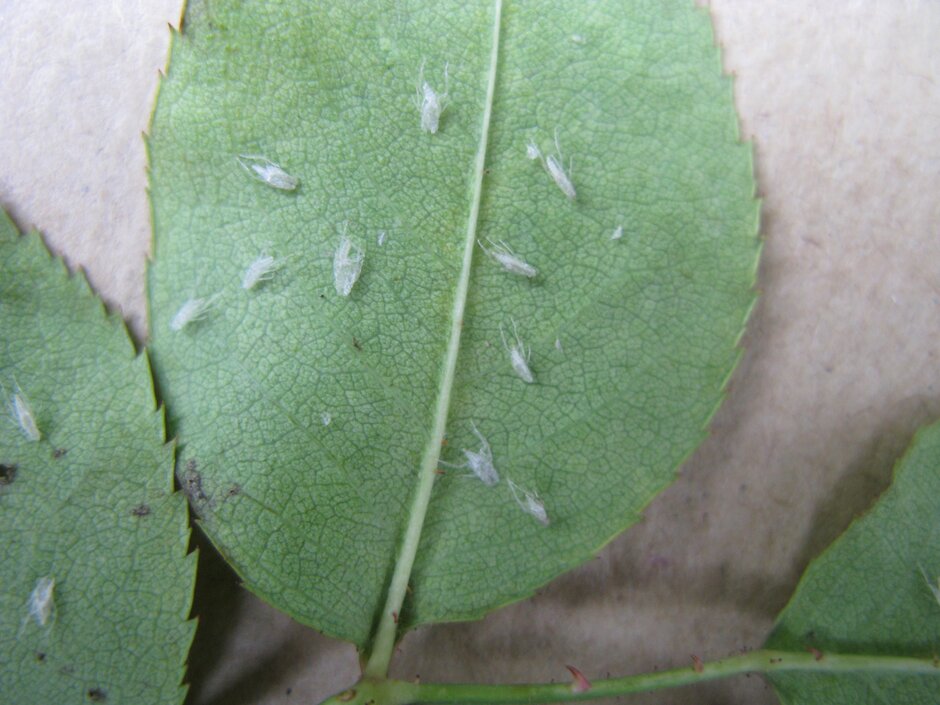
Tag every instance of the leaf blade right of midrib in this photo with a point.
(328, 96)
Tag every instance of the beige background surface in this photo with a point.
(842, 101)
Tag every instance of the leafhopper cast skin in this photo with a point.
(191, 311)
(261, 270)
(518, 355)
(479, 462)
(40, 600)
(347, 265)
(530, 503)
(934, 588)
(430, 103)
(532, 151)
(561, 178)
(267, 172)
(553, 164)
(23, 414)
(509, 260)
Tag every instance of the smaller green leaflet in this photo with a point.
(95, 581)
(873, 592)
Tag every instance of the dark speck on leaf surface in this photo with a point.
(97, 695)
(59, 452)
(7, 473)
(141, 510)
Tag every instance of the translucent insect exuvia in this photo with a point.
(347, 264)
(326, 418)
(518, 355)
(268, 172)
(261, 270)
(529, 502)
(40, 600)
(618, 233)
(24, 417)
(558, 345)
(191, 311)
(430, 103)
(553, 165)
(935, 589)
(562, 178)
(480, 462)
(380, 238)
(508, 259)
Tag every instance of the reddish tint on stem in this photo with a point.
(579, 684)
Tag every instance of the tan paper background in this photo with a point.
(842, 101)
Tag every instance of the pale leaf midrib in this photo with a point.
(384, 638)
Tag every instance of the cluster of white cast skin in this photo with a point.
(348, 259)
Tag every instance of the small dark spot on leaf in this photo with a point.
(141, 510)
(289, 691)
(357, 344)
(322, 296)
(97, 695)
(7, 473)
(59, 452)
(234, 490)
(41, 656)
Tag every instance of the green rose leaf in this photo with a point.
(95, 583)
(438, 278)
(875, 591)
